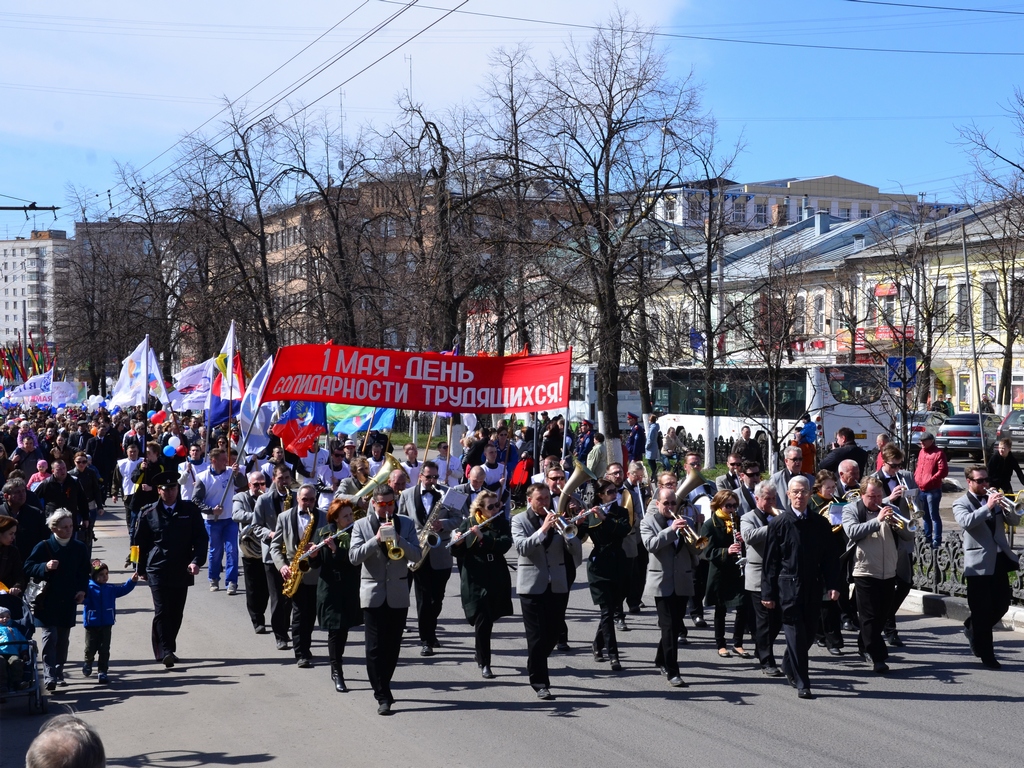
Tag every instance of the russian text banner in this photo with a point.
(419, 381)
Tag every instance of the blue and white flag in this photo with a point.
(40, 384)
(255, 419)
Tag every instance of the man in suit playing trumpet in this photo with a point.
(899, 491)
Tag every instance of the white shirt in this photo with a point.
(218, 487)
(413, 471)
(314, 460)
(187, 474)
(126, 467)
(330, 477)
(448, 471)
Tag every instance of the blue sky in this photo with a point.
(85, 86)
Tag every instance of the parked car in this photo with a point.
(921, 422)
(960, 435)
(1013, 428)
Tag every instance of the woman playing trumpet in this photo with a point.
(337, 592)
(607, 568)
(725, 580)
(483, 539)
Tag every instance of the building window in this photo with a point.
(819, 315)
(670, 209)
(761, 213)
(844, 213)
(963, 310)
(988, 305)
(739, 211)
(800, 316)
(865, 213)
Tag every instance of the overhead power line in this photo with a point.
(937, 7)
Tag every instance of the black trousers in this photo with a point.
(337, 639)
(767, 625)
(901, 589)
(430, 586)
(671, 611)
(280, 606)
(739, 625)
(97, 641)
(563, 627)
(605, 635)
(303, 620)
(383, 643)
(543, 617)
(830, 624)
(799, 633)
(988, 597)
(637, 577)
(874, 605)
(257, 591)
(168, 611)
(482, 628)
(700, 584)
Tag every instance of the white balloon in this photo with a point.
(174, 441)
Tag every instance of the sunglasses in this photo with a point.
(731, 506)
(491, 507)
(979, 479)
(735, 464)
(752, 474)
(385, 504)
(429, 477)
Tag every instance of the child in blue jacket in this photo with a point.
(99, 617)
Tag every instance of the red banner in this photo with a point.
(419, 381)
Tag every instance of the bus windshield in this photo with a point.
(855, 384)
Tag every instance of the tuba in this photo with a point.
(580, 475)
(693, 481)
(381, 478)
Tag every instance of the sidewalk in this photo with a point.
(955, 609)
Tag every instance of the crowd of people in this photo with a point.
(342, 536)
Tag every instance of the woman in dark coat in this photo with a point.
(725, 579)
(63, 563)
(12, 570)
(337, 592)
(607, 568)
(486, 585)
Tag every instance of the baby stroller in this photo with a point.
(30, 687)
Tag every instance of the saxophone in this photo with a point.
(429, 538)
(292, 585)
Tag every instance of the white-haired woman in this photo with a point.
(63, 564)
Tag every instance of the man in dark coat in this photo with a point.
(105, 450)
(172, 545)
(845, 448)
(799, 563)
(31, 523)
(61, 491)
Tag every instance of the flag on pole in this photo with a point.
(34, 387)
(301, 426)
(192, 386)
(139, 379)
(253, 418)
(228, 385)
(356, 418)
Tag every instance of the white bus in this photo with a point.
(834, 396)
(583, 402)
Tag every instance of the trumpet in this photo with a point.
(568, 529)
(900, 521)
(1011, 503)
(700, 543)
(389, 536)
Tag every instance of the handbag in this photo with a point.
(35, 593)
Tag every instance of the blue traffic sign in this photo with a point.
(902, 372)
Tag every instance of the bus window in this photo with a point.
(661, 398)
(578, 386)
(856, 385)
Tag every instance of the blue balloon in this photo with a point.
(169, 452)
(151, 414)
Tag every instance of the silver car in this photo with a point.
(960, 434)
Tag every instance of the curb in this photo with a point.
(931, 604)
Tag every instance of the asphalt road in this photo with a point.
(235, 700)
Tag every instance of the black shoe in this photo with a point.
(426, 650)
(282, 645)
(771, 671)
(682, 640)
(676, 682)
(51, 686)
(339, 683)
(880, 667)
(616, 666)
(635, 610)
(835, 651)
(849, 626)
(87, 669)
(805, 693)
(384, 708)
(792, 680)
(563, 648)
(544, 693)
(599, 654)
(485, 672)
(698, 621)
(169, 660)
(991, 663)
(434, 644)
(661, 669)
(820, 643)
(304, 662)
(969, 634)
(894, 640)
(620, 625)
(260, 629)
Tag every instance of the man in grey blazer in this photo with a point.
(542, 581)
(731, 480)
(670, 574)
(431, 578)
(750, 476)
(899, 491)
(383, 588)
(987, 560)
(264, 527)
(257, 595)
(288, 538)
(793, 458)
(754, 529)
